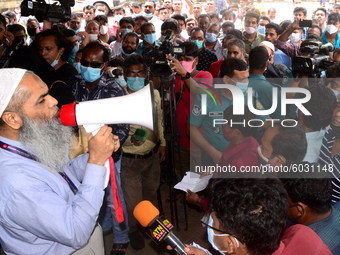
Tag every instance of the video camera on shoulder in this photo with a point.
(60, 11)
(156, 57)
(317, 61)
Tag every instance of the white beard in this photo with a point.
(49, 141)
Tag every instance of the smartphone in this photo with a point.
(305, 23)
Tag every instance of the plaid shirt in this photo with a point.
(220, 4)
(106, 88)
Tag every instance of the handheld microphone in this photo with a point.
(160, 228)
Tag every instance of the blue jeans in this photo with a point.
(107, 218)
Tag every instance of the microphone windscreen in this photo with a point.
(145, 212)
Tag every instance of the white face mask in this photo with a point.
(294, 37)
(331, 29)
(103, 30)
(93, 37)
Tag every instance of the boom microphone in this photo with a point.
(160, 228)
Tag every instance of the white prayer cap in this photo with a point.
(268, 44)
(9, 81)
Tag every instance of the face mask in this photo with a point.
(263, 160)
(336, 130)
(331, 29)
(241, 85)
(211, 235)
(261, 30)
(93, 37)
(250, 30)
(119, 17)
(55, 62)
(294, 37)
(126, 54)
(227, 134)
(225, 53)
(90, 74)
(198, 43)
(125, 31)
(121, 81)
(148, 15)
(299, 217)
(298, 5)
(211, 37)
(150, 38)
(336, 93)
(100, 13)
(103, 30)
(75, 49)
(77, 66)
(187, 65)
(236, 13)
(32, 31)
(76, 31)
(17, 11)
(135, 83)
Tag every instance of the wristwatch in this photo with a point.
(187, 76)
(198, 202)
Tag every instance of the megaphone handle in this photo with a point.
(93, 129)
(110, 170)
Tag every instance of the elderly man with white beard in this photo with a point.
(49, 205)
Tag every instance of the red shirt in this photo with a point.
(185, 104)
(241, 155)
(300, 239)
(215, 68)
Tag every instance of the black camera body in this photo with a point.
(318, 60)
(156, 57)
(50, 12)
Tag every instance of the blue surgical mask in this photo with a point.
(119, 17)
(211, 37)
(198, 43)
(121, 81)
(211, 235)
(125, 31)
(75, 49)
(90, 74)
(261, 30)
(126, 54)
(55, 62)
(336, 93)
(150, 38)
(77, 66)
(148, 15)
(241, 85)
(76, 31)
(135, 83)
(225, 53)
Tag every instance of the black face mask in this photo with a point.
(336, 131)
(32, 31)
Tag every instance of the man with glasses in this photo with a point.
(141, 158)
(205, 57)
(251, 37)
(92, 84)
(252, 220)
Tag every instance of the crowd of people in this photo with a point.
(54, 199)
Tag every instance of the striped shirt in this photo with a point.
(327, 162)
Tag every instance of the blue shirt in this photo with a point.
(282, 58)
(336, 43)
(39, 213)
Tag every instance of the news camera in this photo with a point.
(317, 61)
(51, 12)
(155, 57)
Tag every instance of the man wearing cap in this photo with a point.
(49, 205)
(275, 71)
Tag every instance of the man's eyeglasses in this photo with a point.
(223, 232)
(92, 64)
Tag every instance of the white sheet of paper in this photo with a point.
(192, 182)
